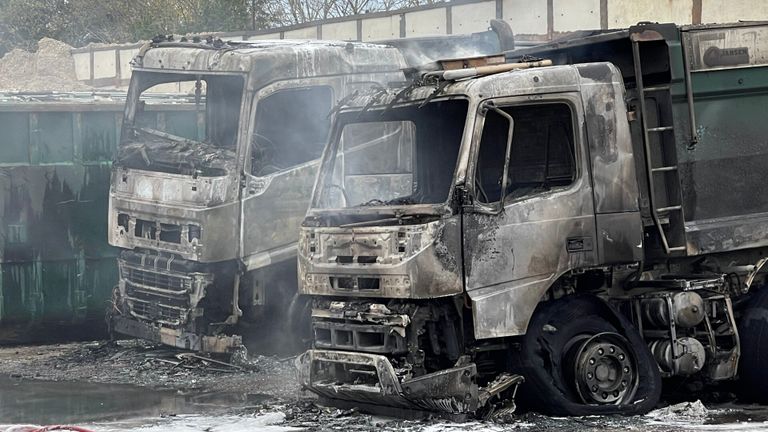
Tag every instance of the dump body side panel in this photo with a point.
(717, 162)
(725, 196)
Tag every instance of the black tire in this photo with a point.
(546, 360)
(753, 335)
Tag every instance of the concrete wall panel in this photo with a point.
(346, 30)
(624, 13)
(104, 64)
(569, 15)
(381, 28)
(302, 33)
(525, 16)
(430, 22)
(126, 55)
(82, 65)
(472, 18)
(735, 10)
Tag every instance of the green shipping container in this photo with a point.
(56, 268)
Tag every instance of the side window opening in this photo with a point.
(542, 155)
(292, 128)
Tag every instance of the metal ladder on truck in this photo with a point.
(659, 143)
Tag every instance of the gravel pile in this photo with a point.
(50, 68)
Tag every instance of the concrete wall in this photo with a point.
(531, 20)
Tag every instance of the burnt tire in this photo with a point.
(571, 343)
(753, 336)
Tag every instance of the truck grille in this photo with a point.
(158, 280)
(370, 338)
(156, 294)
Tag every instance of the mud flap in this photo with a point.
(370, 380)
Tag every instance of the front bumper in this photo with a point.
(451, 391)
(175, 337)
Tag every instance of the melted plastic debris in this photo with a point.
(682, 412)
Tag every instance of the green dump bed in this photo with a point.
(703, 188)
(56, 268)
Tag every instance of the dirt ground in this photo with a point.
(131, 385)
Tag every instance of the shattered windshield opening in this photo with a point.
(403, 156)
(199, 139)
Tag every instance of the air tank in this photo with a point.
(687, 310)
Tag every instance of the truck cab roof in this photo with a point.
(541, 80)
(265, 61)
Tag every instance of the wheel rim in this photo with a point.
(604, 368)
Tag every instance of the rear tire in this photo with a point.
(580, 357)
(753, 335)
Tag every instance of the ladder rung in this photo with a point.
(665, 168)
(677, 249)
(661, 129)
(656, 88)
(668, 209)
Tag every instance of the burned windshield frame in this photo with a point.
(198, 140)
(428, 148)
(222, 104)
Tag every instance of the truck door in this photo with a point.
(520, 237)
(291, 123)
(288, 136)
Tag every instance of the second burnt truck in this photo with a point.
(575, 221)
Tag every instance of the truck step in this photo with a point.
(665, 168)
(661, 129)
(669, 209)
(656, 88)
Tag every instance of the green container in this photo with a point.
(56, 268)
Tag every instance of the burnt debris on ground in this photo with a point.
(145, 364)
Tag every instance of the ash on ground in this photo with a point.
(140, 363)
(262, 393)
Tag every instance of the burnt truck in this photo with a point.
(572, 222)
(207, 208)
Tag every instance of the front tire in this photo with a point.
(580, 357)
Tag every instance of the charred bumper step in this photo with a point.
(158, 301)
(370, 380)
(174, 337)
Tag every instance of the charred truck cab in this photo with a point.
(206, 211)
(555, 228)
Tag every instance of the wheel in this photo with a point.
(580, 357)
(753, 335)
